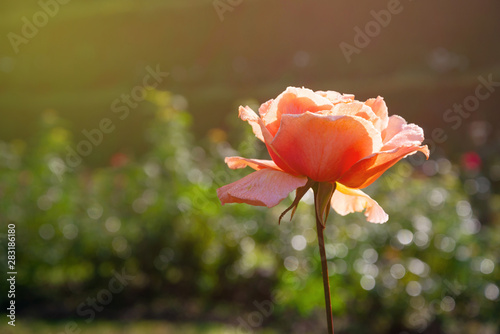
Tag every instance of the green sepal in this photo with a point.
(300, 192)
(323, 193)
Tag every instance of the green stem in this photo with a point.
(324, 268)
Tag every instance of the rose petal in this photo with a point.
(367, 170)
(400, 134)
(357, 108)
(265, 187)
(268, 138)
(292, 101)
(264, 107)
(336, 97)
(346, 200)
(323, 147)
(395, 125)
(380, 109)
(257, 164)
(248, 115)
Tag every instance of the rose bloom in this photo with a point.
(323, 137)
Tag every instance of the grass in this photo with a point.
(117, 327)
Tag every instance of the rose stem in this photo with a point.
(324, 269)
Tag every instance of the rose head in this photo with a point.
(323, 138)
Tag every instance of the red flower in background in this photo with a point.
(471, 161)
(118, 160)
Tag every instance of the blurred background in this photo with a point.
(116, 117)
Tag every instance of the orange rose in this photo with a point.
(318, 138)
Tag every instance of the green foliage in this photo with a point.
(158, 216)
(106, 327)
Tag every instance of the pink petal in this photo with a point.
(346, 200)
(257, 164)
(248, 115)
(261, 132)
(367, 170)
(399, 134)
(264, 107)
(265, 187)
(292, 101)
(395, 125)
(323, 147)
(336, 97)
(268, 138)
(380, 109)
(357, 108)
